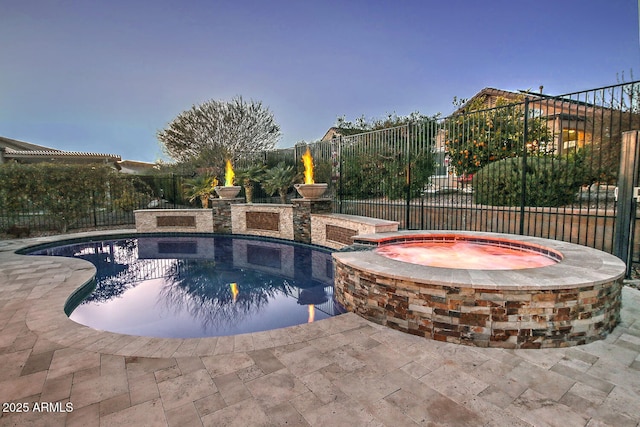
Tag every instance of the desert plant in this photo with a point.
(248, 178)
(280, 179)
(201, 188)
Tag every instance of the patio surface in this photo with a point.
(343, 371)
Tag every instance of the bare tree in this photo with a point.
(217, 129)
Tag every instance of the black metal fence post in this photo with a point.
(93, 203)
(523, 188)
(339, 191)
(174, 189)
(407, 217)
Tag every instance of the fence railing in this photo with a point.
(532, 164)
(88, 207)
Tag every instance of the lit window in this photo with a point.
(572, 138)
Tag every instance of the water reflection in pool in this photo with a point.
(202, 286)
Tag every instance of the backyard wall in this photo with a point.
(289, 222)
(337, 230)
(174, 220)
(267, 220)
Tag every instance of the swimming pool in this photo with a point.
(200, 286)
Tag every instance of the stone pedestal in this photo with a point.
(302, 210)
(222, 213)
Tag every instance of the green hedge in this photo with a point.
(376, 174)
(62, 196)
(549, 182)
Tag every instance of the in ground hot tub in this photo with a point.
(572, 297)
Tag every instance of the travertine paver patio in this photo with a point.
(340, 371)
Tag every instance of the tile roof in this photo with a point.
(9, 152)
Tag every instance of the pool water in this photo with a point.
(189, 287)
(466, 255)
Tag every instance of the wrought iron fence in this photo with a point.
(525, 163)
(531, 164)
(91, 208)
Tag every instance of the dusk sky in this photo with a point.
(105, 76)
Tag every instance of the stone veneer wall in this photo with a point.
(302, 210)
(174, 220)
(483, 317)
(336, 230)
(306, 221)
(221, 209)
(285, 229)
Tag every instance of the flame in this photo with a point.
(308, 167)
(228, 174)
(312, 313)
(234, 290)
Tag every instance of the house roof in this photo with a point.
(337, 131)
(27, 152)
(54, 154)
(498, 93)
(21, 145)
(549, 100)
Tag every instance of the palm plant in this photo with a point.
(280, 179)
(249, 177)
(200, 187)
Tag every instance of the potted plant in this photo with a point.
(200, 187)
(249, 178)
(280, 179)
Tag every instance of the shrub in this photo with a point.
(62, 195)
(383, 174)
(280, 179)
(129, 193)
(549, 182)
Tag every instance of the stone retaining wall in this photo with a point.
(267, 220)
(174, 220)
(483, 317)
(337, 230)
(306, 221)
(221, 210)
(574, 301)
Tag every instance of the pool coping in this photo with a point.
(578, 263)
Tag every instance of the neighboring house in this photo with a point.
(568, 119)
(571, 122)
(25, 152)
(336, 132)
(135, 167)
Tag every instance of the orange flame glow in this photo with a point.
(308, 167)
(312, 313)
(228, 174)
(234, 291)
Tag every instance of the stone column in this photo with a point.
(222, 214)
(302, 210)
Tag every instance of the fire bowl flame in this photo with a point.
(227, 191)
(311, 191)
